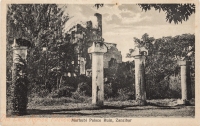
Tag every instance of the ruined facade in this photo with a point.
(112, 54)
(82, 37)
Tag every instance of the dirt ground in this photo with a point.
(147, 111)
(154, 108)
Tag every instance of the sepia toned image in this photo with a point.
(100, 62)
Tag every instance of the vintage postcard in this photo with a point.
(103, 62)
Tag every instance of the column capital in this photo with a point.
(19, 47)
(97, 47)
(139, 51)
(21, 44)
(184, 62)
(139, 57)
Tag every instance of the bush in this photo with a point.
(65, 91)
(81, 97)
(50, 101)
(85, 86)
(108, 91)
(19, 96)
(125, 94)
(43, 93)
(69, 81)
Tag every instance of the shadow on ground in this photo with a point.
(76, 111)
(112, 109)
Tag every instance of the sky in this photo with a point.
(121, 23)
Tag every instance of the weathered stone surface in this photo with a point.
(139, 55)
(84, 36)
(140, 91)
(97, 50)
(184, 81)
(184, 62)
(18, 51)
(112, 53)
(97, 47)
(19, 79)
(82, 65)
(139, 51)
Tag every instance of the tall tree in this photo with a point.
(145, 41)
(31, 20)
(161, 63)
(42, 24)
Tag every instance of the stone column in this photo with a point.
(82, 65)
(19, 80)
(140, 88)
(184, 85)
(97, 50)
(140, 91)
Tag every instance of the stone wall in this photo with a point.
(83, 36)
(114, 53)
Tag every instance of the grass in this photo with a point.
(70, 107)
(56, 101)
(48, 101)
(80, 102)
(154, 108)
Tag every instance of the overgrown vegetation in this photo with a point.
(47, 70)
(162, 69)
(18, 87)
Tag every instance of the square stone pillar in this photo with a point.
(140, 87)
(82, 66)
(140, 91)
(97, 49)
(19, 78)
(184, 85)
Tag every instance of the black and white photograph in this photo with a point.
(105, 62)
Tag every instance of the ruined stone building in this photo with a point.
(83, 36)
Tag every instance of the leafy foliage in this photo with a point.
(98, 5)
(41, 24)
(19, 87)
(85, 86)
(174, 12)
(145, 41)
(29, 20)
(120, 79)
(161, 64)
